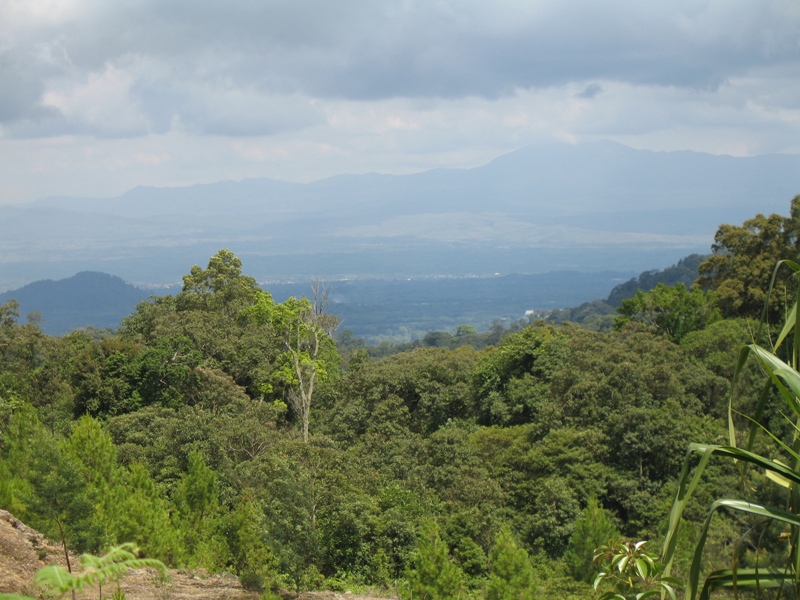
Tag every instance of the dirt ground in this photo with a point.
(23, 551)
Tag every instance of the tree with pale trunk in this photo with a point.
(309, 351)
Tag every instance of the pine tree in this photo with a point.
(512, 575)
(197, 500)
(250, 553)
(433, 576)
(592, 529)
(143, 516)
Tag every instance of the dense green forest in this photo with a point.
(219, 429)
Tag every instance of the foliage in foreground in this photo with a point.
(773, 452)
(630, 572)
(96, 572)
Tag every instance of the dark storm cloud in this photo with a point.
(374, 50)
(590, 91)
(204, 63)
(20, 88)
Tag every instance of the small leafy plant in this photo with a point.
(632, 573)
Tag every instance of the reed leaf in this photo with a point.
(745, 578)
(786, 380)
(744, 506)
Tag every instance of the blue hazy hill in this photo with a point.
(86, 299)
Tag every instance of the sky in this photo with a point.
(97, 97)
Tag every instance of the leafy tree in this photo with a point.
(451, 466)
(465, 329)
(716, 348)
(436, 339)
(219, 287)
(349, 345)
(30, 366)
(104, 378)
(416, 391)
(204, 327)
(553, 510)
(165, 372)
(9, 313)
(532, 352)
(673, 311)
(146, 323)
(596, 315)
(512, 576)
(306, 333)
(212, 340)
(744, 256)
(432, 574)
(685, 272)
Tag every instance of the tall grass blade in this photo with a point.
(784, 376)
(752, 508)
(744, 578)
(687, 486)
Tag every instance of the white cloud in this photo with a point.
(102, 104)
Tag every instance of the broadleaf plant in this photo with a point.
(630, 572)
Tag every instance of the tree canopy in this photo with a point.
(220, 429)
(740, 269)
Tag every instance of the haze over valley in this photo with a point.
(551, 207)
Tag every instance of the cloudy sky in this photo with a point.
(99, 96)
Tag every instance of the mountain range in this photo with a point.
(592, 207)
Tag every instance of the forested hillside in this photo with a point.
(219, 429)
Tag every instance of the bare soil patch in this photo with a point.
(23, 551)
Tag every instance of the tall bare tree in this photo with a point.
(306, 332)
